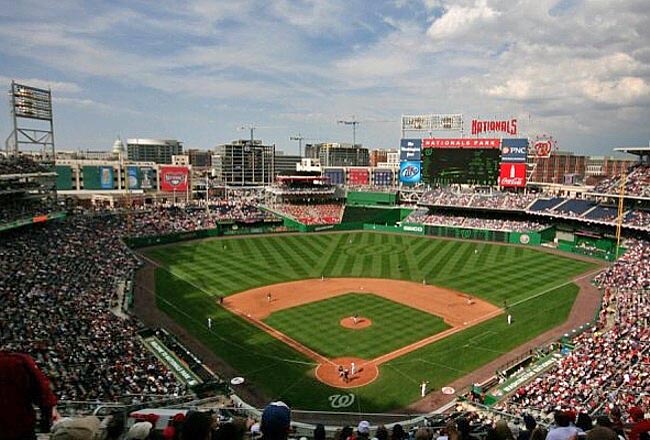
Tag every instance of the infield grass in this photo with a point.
(193, 274)
(317, 325)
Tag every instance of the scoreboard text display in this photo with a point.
(477, 166)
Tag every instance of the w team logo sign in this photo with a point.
(174, 178)
(341, 400)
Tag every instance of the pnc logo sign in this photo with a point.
(514, 150)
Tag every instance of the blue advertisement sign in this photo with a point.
(410, 149)
(514, 150)
(410, 171)
(106, 177)
(132, 175)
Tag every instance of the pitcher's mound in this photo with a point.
(364, 372)
(361, 323)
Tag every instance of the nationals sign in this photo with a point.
(460, 143)
(513, 175)
(174, 178)
(508, 126)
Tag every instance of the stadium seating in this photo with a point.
(422, 216)
(545, 204)
(20, 165)
(325, 214)
(637, 183)
(574, 207)
(602, 213)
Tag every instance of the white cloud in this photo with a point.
(309, 61)
(625, 91)
(457, 20)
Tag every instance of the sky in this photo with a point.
(199, 70)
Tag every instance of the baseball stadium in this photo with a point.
(456, 286)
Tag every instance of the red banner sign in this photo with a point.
(174, 178)
(460, 143)
(506, 126)
(513, 175)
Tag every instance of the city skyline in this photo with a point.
(196, 71)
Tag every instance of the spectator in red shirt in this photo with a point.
(23, 385)
(641, 428)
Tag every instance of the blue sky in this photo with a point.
(196, 70)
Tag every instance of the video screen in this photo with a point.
(446, 166)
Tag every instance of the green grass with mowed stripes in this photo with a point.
(193, 274)
(394, 325)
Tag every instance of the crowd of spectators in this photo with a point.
(637, 183)
(638, 217)
(608, 368)
(314, 214)
(58, 284)
(158, 220)
(12, 209)
(489, 200)
(20, 164)
(422, 216)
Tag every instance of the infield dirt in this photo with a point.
(457, 310)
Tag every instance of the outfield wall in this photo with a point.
(533, 238)
(362, 198)
(221, 230)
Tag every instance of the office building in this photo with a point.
(334, 154)
(153, 150)
(244, 163)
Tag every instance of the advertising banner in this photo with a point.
(106, 177)
(132, 177)
(410, 172)
(174, 178)
(514, 150)
(460, 143)
(63, 177)
(383, 177)
(513, 175)
(336, 176)
(358, 176)
(410, 149)
(147, 178)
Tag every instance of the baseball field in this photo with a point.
(427, 310)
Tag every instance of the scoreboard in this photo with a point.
(475, 166)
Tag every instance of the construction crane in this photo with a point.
(354, 122)
(300, 138)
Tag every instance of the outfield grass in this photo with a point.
(194, 273)
(316, 325)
